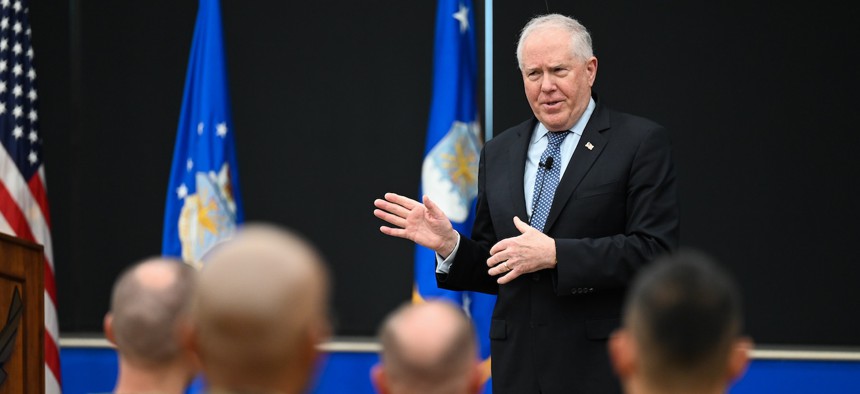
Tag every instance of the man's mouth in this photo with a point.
(552, 104)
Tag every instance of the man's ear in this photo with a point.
(315, 334)
(188, 342)
(622, 353)
(591, 68)
(188, 337)
(377, 376)
(476, 378)
(739, 358)
(108, 327)
(308, 349)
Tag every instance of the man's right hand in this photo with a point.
(424, 224)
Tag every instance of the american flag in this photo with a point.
(23, 198)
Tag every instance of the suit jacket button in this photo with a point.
(590, 289)
(573, 291)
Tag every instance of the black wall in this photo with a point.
(330, 104)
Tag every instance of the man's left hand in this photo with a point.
(528, 252)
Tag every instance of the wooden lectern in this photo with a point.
(22, 316)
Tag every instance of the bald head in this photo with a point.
(428, 348)
(260, 308)
(148, 302)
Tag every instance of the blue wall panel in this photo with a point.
(88, 370)
(782, 376)
(94, 370)
(346, 373)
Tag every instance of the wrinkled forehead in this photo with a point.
(550, 50)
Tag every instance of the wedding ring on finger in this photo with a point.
(506, 266)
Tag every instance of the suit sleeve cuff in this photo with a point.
(443, 266)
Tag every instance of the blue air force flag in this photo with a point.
(203, 200)
(449, 174)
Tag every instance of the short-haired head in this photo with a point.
(261, 308)
(428, 348)
(684, 312)
(580, 39)
(148, 304)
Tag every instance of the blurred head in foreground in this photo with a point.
(427, 348)
(259, 312)
(682, 329)
(149, 304)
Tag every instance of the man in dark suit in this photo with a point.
(571, 204)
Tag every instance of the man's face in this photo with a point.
(557, 83)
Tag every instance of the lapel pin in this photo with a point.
(589, 145)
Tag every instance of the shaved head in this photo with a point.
(260, 309)
(684, 313)
(428, 348)
(682, 328)
(147, 304)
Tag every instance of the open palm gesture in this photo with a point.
(424, 224)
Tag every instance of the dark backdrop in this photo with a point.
(330, 103)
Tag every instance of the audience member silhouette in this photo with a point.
(149, 305)
(682, 329)
(427, 348)
(259, 312)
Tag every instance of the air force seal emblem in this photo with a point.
(208, 216)
(450, 171)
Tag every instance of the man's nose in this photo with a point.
(547, 83)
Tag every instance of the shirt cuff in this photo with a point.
(443, 266)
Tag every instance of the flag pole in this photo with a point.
(488, 69)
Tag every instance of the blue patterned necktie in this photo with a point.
(546, 181)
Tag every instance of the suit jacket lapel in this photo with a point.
(583, 159)
(516, 156)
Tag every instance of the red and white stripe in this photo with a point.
(24, 208)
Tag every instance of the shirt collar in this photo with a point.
(577, 128)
